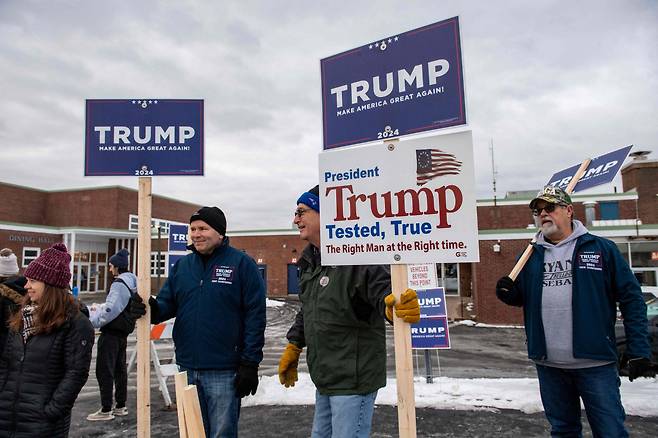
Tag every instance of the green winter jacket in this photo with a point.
(342, 324)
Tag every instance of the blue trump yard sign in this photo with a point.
(432, 302)
(601, 170)
(403, 84)
(178, 237)
(173, 259)
(432, 329)
(430, 333)
(144, 137)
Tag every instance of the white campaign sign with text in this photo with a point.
(402, 202)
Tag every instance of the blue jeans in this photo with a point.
(342, 416)
(561, 391)
(220, 407)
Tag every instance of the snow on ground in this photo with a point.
(471, 323)
(639, 397)
(274, 303)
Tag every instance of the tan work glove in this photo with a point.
(288, 365)
(408, 308)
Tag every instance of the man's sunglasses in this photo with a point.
(549, 208)
(300, 212)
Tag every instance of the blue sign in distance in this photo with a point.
(403, 84)
(430, 333)
(144, 137)
(173, 259)
(601, 170)
(178, 237)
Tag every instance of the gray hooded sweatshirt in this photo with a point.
(556, 302)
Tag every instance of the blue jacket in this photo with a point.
(601, 278)
(219, 309)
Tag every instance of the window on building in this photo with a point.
(133, 225)
(159, 267)
(644, 254)
(30, 254)
(449, 271)
(644, 262)
(609, 210)
(642, 257)
(623, 248)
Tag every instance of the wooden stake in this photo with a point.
(192, 408)
(404, 369)
(180, 380)
(528, 251)
(144, 323)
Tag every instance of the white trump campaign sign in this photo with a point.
(411, 201)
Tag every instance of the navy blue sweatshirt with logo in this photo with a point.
(219, 306)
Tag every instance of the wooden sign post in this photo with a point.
(144, 323)
(104, 156)
(404, 367)
(528, 251)
(181, 384)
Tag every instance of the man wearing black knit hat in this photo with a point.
(217, 296)
(341, 322)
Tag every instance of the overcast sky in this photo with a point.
(550, 82)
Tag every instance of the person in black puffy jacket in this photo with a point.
(47, 355)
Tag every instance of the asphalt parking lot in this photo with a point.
(476, 352)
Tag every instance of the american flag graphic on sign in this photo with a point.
(431, 163)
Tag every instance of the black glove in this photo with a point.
(639, 367)
(136, 307)
(246, 380)
(155, 310)
(504, 285)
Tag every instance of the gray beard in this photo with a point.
(546, 230)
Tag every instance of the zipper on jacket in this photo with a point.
(18, 384)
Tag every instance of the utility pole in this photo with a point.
(493, 171)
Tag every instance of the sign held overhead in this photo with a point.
(601, 170)
(143, 137)
(403, 84)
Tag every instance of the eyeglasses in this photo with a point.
(301, 211)
(549, 208)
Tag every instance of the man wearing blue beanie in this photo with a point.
(115, 322)
(342, 324)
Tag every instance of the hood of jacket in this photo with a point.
(578, 230)
(12, 291)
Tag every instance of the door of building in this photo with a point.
(90, 271)
(293, 279)
(81, 276)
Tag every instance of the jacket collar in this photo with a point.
(310, 257)
(587, 237)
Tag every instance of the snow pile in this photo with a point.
(522, 394)
(471, 323)
(274, 303)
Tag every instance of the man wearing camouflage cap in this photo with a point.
(569, 290)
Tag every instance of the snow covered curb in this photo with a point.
(461, 394)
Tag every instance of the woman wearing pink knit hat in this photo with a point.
(47, 353)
